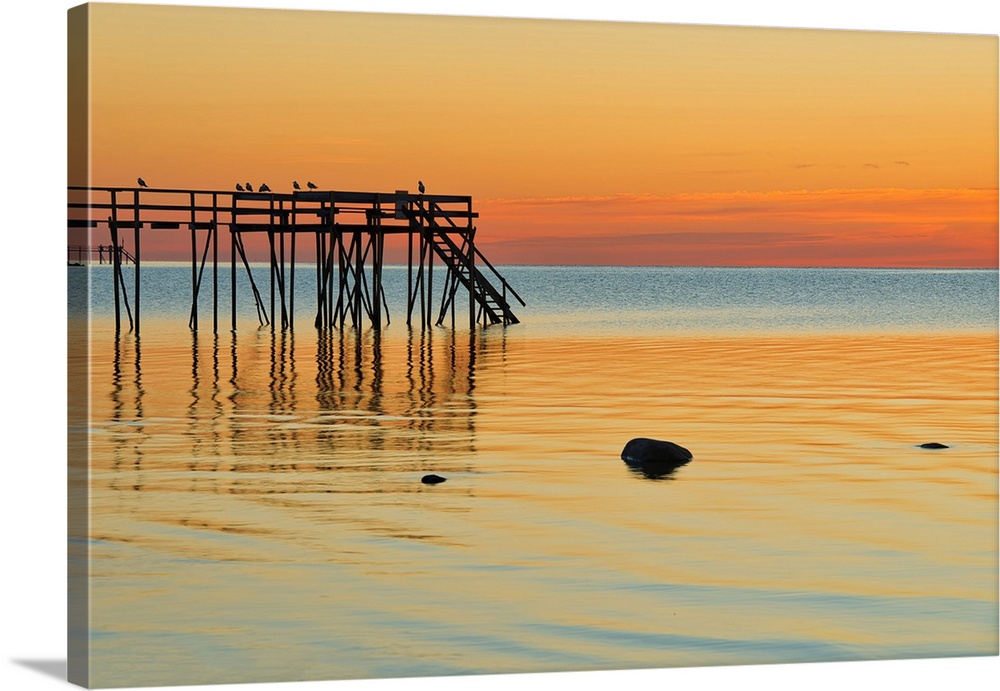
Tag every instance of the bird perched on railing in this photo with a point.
(239, 187)
(142, 183)
(420, 186)
(264, 188)
(249, 188)
(310, 185)
(295, 184)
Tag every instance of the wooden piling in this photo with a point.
(281, 273)
(471, 254)
(320, 321)
(194, 268)
(232, 267)
(409, 278)
(291, 275)
(116, 258)
(215, 263)
(136, 253)
(271, 258)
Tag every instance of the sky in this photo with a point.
(581, 142)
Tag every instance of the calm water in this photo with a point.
(258, 515)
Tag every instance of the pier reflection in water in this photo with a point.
(263, 401)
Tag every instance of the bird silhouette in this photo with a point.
(249, 188)
(264, 188)
(295, 184)
(239, 187)
(310, 185)
(142, 183)
(420, 186)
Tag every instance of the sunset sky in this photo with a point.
(581, 142)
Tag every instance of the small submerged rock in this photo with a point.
(433, 479)
(934, 445)
(654, 457)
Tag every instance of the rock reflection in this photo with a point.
(668, 475)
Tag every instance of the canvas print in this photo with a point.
(409, 346)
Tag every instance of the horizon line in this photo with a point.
(637, 266)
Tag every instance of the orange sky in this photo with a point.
(581, 142)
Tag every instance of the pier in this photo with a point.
(347, 232)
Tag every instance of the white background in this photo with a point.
(32, 378)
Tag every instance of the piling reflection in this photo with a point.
(276, 402)
(368, 402)
(205, 411)
(282, 402)
(127, 425)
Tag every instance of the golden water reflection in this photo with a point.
(257, 505)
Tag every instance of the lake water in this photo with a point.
(257, 512)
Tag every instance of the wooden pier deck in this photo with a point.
(347, 231)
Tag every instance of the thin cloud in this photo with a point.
(863, 227)
(804, 165)
(902, 163)
(869, 165)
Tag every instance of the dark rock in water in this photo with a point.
(933, 445)
(655, 457)
(432, 479)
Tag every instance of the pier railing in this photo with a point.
(81, 254)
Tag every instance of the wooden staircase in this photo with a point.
(455, 246)
(492, 302)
